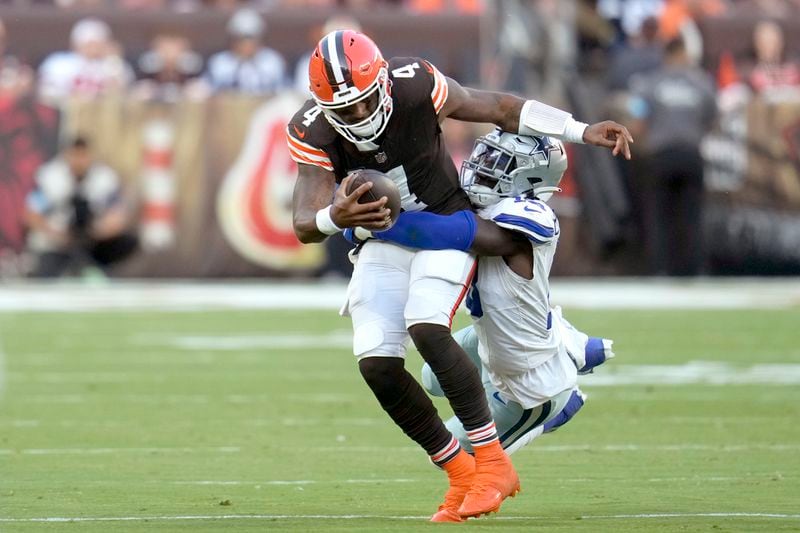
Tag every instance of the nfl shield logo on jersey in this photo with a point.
(381, 157)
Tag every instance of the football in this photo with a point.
(382, 185)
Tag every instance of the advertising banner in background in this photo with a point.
(212, 180)
(212, 184)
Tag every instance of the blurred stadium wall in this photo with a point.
(212, 177)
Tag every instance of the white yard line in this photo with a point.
(561, 448)
(651, 293)
(257, 422)
(181, 399)
(614, 448)
(694, 372)
(298, 482)
(616, 374)
(107, 451)
(695, 515)
(275, 341)
(389, 517)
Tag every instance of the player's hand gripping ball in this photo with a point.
(382, 185)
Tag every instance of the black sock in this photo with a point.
(405, 401)
(458, 376)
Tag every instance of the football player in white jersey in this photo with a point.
(529, 355)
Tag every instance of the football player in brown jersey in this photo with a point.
(366, 112)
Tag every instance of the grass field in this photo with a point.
(257, 420)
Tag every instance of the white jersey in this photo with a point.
(519, 335)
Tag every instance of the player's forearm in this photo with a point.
(492, 240)
(463, 230)
(313, 193)
(492, 107)
(511, 113)
(305, 227)
(429, 231)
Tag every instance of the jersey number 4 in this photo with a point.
(311, 115)
(408, 200)
(406, 71)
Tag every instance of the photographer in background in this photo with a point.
(76, 215)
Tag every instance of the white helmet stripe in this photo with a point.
(333, 57)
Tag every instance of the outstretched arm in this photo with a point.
(463, 230)
(315, 216)
(529, 117)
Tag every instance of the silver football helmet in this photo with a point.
(504, 165)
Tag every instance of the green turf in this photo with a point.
(103, 416)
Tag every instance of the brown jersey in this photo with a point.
(411, 150)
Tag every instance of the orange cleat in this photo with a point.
(495, 480)
(445, 514)
(461, 473)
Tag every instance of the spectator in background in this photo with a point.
(676, 106)
(627, 15)
(772, 70)
(169, 69)
(142, 5)
(76, 215)
(337, 22)
(85, 5)
(679, 19)
(427, 7)
(93, 67)
(246, 66)
(16, 78)
(641, 54)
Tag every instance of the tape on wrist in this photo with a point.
(537, 118)
(362, 234)
(573, 132)
(325, 222)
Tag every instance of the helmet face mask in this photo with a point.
(347, 69)
(505, 165)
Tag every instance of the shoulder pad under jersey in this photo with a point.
(418, 79)
(307, 134)
(533, 218)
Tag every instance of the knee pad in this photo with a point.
(379, 339)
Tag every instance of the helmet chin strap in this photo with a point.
(368, 129)
(481, 195)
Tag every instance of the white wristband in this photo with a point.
(325, 222)
(537, 118)
(573, 132)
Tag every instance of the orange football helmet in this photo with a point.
(347, 68)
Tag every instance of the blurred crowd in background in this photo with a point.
(646, 63)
